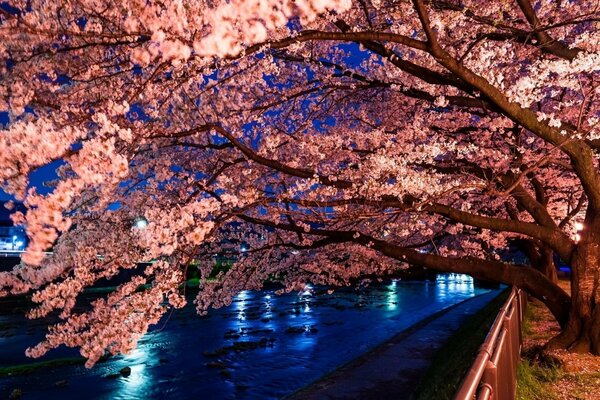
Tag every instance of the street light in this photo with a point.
(578, 228)
(140, 223)
(17, 243)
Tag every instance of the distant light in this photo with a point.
(578, 226)
(140, 223)
(243, 249)
(15, 237)
(307, 290)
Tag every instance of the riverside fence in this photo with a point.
(493, 374)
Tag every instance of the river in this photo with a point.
(290, 340)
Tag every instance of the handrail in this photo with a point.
(18, 253)
(493, 373)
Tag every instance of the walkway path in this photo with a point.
(393, 369)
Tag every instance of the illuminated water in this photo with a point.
(303, 337)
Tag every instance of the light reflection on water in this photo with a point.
(453, 284)
(135, 385)
(305, 336)
(268, 302)
(239, 304)
(392, 296)
(308, 320)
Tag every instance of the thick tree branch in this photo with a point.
(274, 164)
(505, 181)
(312, 35)
(547, 43)
(524, 277)
(578, 151)
(555, 238)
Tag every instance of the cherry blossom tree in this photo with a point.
(338, 140)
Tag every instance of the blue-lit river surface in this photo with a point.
(299, 337)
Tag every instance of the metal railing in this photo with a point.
(493, 374)
(17, 253)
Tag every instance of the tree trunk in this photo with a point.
(545, 263)
(541, 258)
(582, 332)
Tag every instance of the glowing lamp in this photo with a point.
(140, 223)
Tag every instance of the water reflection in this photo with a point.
(268, 306)
(304, 335)
(305, 329)
(452, 284)
(138, 383)
(306, 297)
(392, 295)
(240, 303)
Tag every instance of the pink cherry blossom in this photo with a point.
(313, 141)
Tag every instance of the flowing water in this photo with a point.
(290, 340)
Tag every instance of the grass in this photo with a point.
(537, 371)
(454, 359)
(191, 283)
(29, 368)
(531, 317)
(532, 379)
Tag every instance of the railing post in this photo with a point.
(494, 372)
(490, 381)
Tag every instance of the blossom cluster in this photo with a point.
(310, 141)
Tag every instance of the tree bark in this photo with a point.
(546, 264)
(582, 332)
(541, 258)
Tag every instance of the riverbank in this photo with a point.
(556, 375)
(391, 369)
(455, 358)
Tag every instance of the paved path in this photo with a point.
(393, 369)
